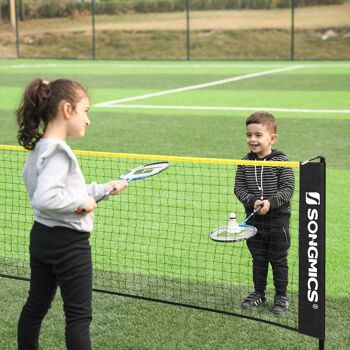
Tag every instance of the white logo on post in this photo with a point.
(313, 198)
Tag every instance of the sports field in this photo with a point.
(198, 109)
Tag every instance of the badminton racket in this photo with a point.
(139, 173)
(234, 232)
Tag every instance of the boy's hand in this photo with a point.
(265, 206)
(88, 207)
(118, 186)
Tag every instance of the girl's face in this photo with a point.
(260, 139)
(78, 119)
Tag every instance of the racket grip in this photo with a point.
(251, 214)
(256, 209)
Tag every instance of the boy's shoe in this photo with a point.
(253, 301)
(280, 305)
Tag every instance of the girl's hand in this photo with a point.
(265, 206)
(118, 186)
(88, 207)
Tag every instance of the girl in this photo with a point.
(60, 254)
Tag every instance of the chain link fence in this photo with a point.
(176, 29)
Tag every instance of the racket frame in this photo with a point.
(233, 237)
(141, 177)
(236, 237)
(126, 177)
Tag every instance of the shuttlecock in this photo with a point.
(233, 226)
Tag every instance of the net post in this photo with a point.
(312, 248)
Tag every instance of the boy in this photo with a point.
(271, 187)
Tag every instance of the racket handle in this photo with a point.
(256, 209)
(106, 195)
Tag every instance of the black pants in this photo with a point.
(59, 257)
(270, 245)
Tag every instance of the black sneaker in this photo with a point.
(280, 305)
(253, 301)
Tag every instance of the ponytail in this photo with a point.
(39, 106)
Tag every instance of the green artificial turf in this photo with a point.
(135, 324)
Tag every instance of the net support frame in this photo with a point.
(312, 249)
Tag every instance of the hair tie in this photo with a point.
(45, 82)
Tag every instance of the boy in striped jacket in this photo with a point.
(272, 187)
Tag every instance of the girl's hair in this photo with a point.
(40, 104)
(263, 118)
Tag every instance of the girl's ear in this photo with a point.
(67, 109)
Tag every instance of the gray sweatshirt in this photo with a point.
(56, 186)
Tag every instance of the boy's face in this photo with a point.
(260, 139)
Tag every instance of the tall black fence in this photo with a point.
(176, 29)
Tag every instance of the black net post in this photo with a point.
(312, 249)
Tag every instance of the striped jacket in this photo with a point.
(276, 184)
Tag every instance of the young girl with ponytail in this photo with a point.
(63, 204)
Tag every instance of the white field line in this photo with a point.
(198, 86)
(214, 108)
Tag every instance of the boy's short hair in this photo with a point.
(263, 118)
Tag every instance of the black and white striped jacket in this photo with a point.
(276, 184)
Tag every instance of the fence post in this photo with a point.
(93, 30)
(12, 12)
(292, 39)
(188, 39)
(17, 28)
